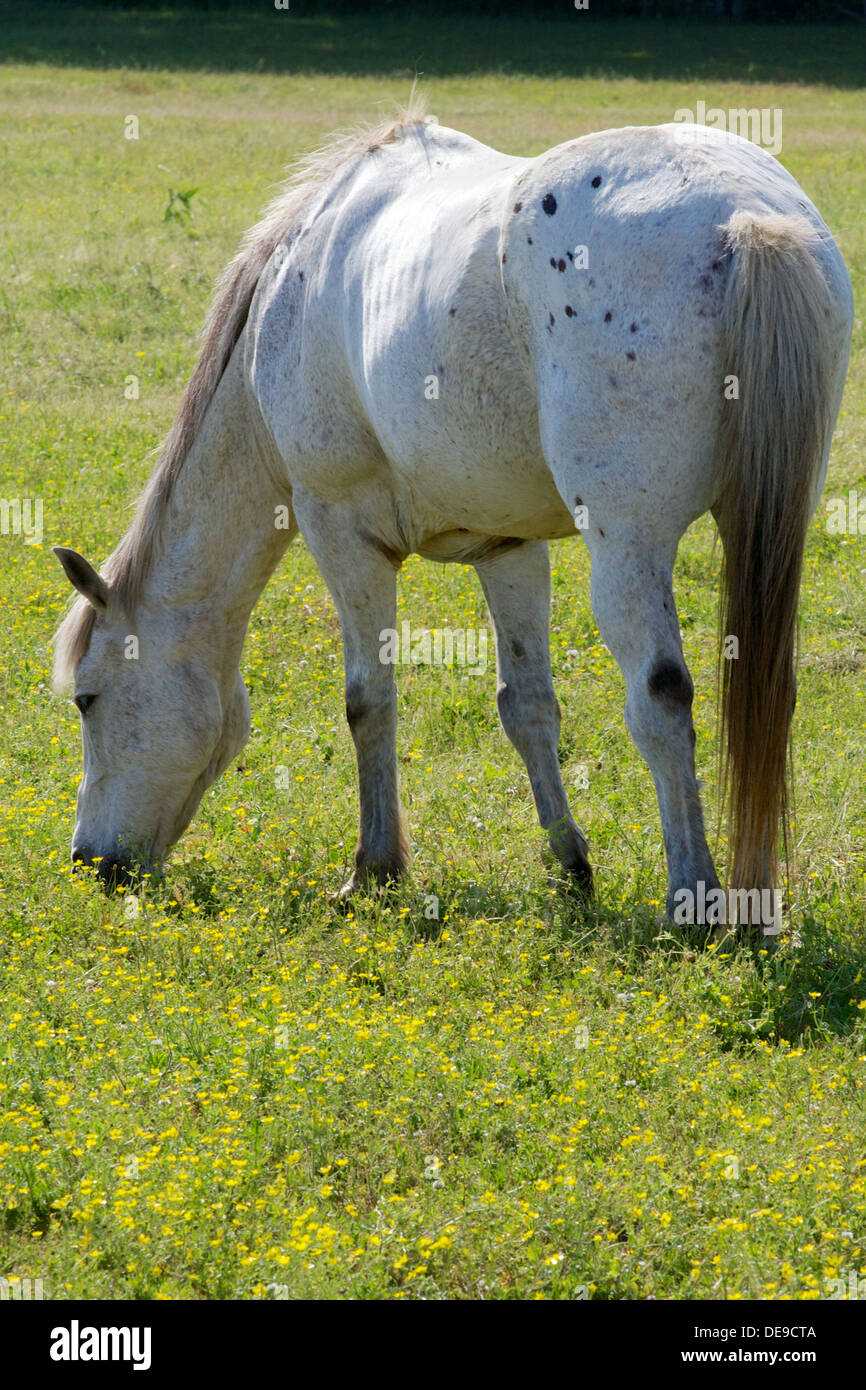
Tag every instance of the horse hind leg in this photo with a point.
(633, 602)
(516, 585)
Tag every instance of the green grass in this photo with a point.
(240, 1093)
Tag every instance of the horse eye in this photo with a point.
(83, 703)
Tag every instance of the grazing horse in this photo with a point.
(625, 332)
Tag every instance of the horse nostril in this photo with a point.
(114, 872)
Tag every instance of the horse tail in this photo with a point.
(779, 345)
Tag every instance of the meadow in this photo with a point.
(473, 1086)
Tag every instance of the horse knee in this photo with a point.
(366, 699)
(521, 711)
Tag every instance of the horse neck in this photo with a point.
(222, 532)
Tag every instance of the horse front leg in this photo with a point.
(516, 585)
(363, 583)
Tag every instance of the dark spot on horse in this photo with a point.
(569, 311)
(630, 356)
(612, 379)
(670, 681)
(503, 257)
(553, 262)
(706, 283)
(518, 651)
(569, 255)
(684, 182)
(452, 312)
(517, 207)
(596, 181)
(548, 202)
(717, 265)
(600, 532)
(552, 320)
(633, 328)
(356, 705)
(529, 240)
(300, 275)
(591, 283)
(440, 371)
(607, 317)
(578, 501)
(561, 266)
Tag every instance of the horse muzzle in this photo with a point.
(114, 870)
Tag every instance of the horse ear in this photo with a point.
(83, 577)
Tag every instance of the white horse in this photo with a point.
(631, 329)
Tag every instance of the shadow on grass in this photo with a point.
(804, 987)
(801, 988)
(807, 990)
(436, 42)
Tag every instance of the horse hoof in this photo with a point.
(372, 880)
(343, 899)
(581, 879)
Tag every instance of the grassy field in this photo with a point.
(226, 1089)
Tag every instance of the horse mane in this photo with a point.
(126, 569)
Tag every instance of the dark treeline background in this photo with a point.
(726, 11)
